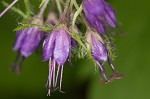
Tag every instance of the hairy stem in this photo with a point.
(59, 7)
(16, 10)
(65, 10)
(40, 14)
(26, 2)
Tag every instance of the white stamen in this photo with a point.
(61, 76)
(57, 75)
(54, 63)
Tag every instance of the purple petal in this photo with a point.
(109, 15)
(31, 42)
(98, 12)
(99, 51)
(93, 10)
(48, 46)
(93, 7)
(96, 23)
(20, 36)
(62, 46)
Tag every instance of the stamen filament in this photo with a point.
(103, 72)
(49, 77)
(61, 76)
(57, 75)
(112, 67)
(54, 63)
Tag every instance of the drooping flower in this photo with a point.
(100, 54)
(27, 41)
(98, 13)
(56, 49)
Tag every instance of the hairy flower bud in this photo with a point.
(99, 51)
(100, 54)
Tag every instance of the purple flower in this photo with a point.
(100, 54)
(56, 49)
(99, 51)
(27, 40)
(97, 13)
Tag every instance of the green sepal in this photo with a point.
(77, 37)
(23, 26)
(78, 52)
(88, 45)
(46, 28)
(43, 28)
(109, 48)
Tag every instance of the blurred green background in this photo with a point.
(80, 81)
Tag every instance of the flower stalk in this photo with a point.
(40, 14)
(13, 3)
(65, 11)
(59, 7)
(16, 10)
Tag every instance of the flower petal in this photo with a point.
(99, 51)
(48, 46)
(109, 15)
(20, 36)
(62, 46)
(31, 41)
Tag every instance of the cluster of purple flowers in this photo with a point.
(99, 14)
(58, 42)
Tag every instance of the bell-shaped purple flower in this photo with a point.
(56, 49)
(100, 54)
(97, 13)
(27, 40)
(98, 50)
